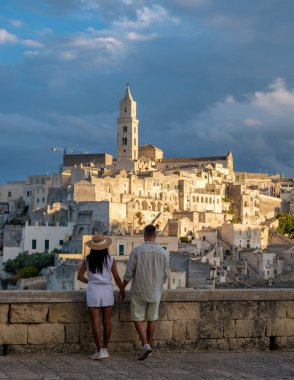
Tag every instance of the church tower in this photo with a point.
(127, 128)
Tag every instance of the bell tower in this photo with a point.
(127, 128)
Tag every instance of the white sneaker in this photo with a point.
(99, 355)
(145, 352)
(106, 353)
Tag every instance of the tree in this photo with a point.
(25, 260)
(286, 224)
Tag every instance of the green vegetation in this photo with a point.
(27, 265)
(184, 239)
(230, 210)
(286, 225)
(235, 220)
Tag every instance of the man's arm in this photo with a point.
(131, 268)
(165, 266)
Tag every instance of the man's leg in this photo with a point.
(150, 331)
(140, 327)
(152, 316)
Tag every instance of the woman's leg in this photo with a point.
(96, 326)
(106, 319)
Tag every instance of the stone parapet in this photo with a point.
(237, 319)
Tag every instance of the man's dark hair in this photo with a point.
(150, 230)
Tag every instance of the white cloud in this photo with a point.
(133, 36)
(68, 55)
(44, 32)
(31, 43)
(31, 53)
(252, 122)
(9, 38)
(16, 23)
(266, 144)
(277, 100)
(146, 16)
(6, 37)
(230, 99)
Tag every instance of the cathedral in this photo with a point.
(141, 186)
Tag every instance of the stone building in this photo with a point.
(37, 238)
(241, 235)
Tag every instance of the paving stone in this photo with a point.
(162, 365)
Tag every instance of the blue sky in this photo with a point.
(208, 76)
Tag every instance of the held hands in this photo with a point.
(122, 294)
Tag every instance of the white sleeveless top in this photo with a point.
(103, 278)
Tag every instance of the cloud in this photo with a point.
(6, 37)
(147, 16)
(252, 122)
(276, 101)
(221, 127)
(31, 43)
(133, 36)
(16, 23)
(45, 32)
(31, 53)
(79, 133)
(9, 38)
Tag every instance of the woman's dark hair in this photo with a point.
(97, 260)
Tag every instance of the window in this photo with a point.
(46, 245)
(135, 141)
(9, 194)
(43, 199)
(38, 200)
(60, 242)
(125, 110)
(34, 244)
(125, 129)
(124, 140)
(121, 249)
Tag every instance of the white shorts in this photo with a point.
(100, 295)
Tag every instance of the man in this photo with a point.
(148, 269)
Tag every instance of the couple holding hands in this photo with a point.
(147, 267)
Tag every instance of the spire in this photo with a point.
(128, 94)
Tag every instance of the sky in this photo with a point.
(209, 76)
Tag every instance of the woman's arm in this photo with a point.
(81, 273)
(116, 277)
(118, 281)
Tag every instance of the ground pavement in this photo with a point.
(162, 365)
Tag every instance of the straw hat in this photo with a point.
(99, 242)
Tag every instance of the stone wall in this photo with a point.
(255, 319)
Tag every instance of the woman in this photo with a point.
(99, 265)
